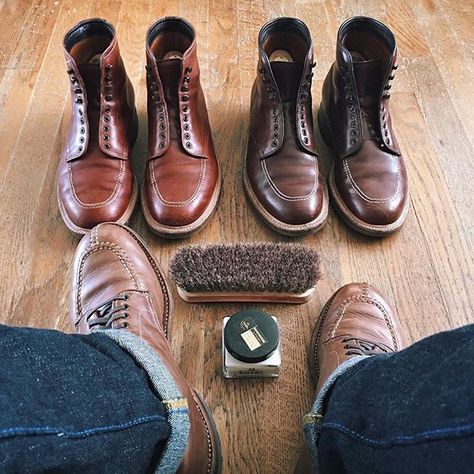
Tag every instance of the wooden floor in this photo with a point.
(425, 270)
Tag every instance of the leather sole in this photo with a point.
(181, 232)
(213, 440)
(344, 212)
(81, 231)
(290, 230)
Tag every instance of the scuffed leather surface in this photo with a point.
(357, 310)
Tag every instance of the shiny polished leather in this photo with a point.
(368, 181)
(113, 262)
(182, 179)
(95, 180)
(281, 173)
(357, 320)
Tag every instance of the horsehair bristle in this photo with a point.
(242, 267)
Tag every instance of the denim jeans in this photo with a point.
(408, 412)
(100, 403)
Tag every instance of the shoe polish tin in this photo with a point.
(250, 345)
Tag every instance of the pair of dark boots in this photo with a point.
(367, 181)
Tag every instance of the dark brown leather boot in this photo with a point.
(182, 177)
(95, 179)
(137, 299)
(281, 175)
(368, 182)
(357, 320)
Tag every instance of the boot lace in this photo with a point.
(107, 313)
(354, 346)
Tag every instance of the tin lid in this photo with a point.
(251, 336)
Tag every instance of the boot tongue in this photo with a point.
(369, 81)
(287, 76)
(90, 74)
(170, 72)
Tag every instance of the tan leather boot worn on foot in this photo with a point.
(357, 320)
(95, 179)
(117, 284)
(368, 181)
(182, 176)
(281, 172)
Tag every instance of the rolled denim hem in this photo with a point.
(312, 420)
(175, 404)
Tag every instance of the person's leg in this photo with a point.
(76, 404)
(405, 412)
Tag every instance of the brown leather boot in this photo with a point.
(182, 177)
(95, 179)
(357, 320)
(368, 182)
(281, 175)
(117, 284)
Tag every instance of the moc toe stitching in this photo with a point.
(282, 195)
(186, 202)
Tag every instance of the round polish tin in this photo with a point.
(251, 336)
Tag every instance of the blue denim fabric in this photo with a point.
(409, 412)
(76, 404)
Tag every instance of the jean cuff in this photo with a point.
(312, 420)
(166, 390)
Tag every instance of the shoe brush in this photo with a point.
(245, 272)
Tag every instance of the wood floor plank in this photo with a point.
(426, 269)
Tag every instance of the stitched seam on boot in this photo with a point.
(364, 196)
(274, 187)
(190, 200)
(121, 255)
(98, 204)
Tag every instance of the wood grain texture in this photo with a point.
(426, 269)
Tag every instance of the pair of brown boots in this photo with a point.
(118, 284)
(96, 182)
